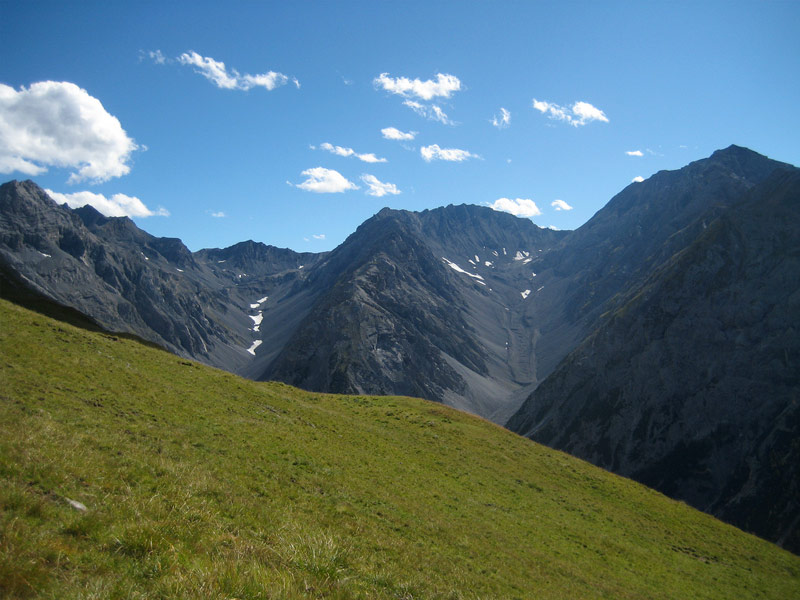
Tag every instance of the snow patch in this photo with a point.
(526, 261)
(45, 255)
(252, 348)
(525, 294)
(521, 255)
(488, 263)
(504, 252)
(477, 260)
(540, 289)
(455, 267)
(257, 320)
(179, 270)
(470, 261)
(301, 266)
(533, 274)
(142, 253)
(495, 253)
(220, 262)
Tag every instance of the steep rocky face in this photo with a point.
(690, 383)
(419, 304)
(129, 281)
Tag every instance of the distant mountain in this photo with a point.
(690, 379)
(659, 340)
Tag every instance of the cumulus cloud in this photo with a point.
(118, 205)
(638, 179)
(340, 151)
(325, 181)
(519, 207)
(378, 188)
(580, 113)
(392, 133)
(434, 152)
(217, 73)
(502, 120)
(58, 124)
(560, 205)
(155, 55)
(442, 87)
(634, 153)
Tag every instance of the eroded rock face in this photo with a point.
(690, 382)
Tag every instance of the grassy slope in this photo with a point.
(203, 485)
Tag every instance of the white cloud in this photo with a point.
(118, 205)
(325, 181)
(392, 133)
(638, 179)
(216, 72)
(340, 151)
(378, 188)
(519, 207)
(434, 152)
(580, 113)
(318, 236)
(218, 215)
(503, 120)
(560, 205)
(634, 153)
(432, 112)
(443, 87)
(56, 123)
(157, 56)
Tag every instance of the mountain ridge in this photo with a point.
(461, 304)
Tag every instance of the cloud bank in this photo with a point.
(325, 181)
(580, 113)
(519, 207)
(118, 205)
(58, 124)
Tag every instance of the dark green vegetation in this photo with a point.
(199, 484)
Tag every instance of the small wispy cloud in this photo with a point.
(502, 120)
(341, 151)
(638, 179)
(634, 153)
(429, 111)
(230, 79)
(218, 215)
(118, 205)
(325, 181)
(442, 87)
(392, 133)
(560, 205)
(580, 113)
(519, 207)
(318, 236)
(378, 188)
(434, 152)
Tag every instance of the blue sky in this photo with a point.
(290, 142)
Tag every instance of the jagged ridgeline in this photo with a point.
(126, 471)
(659, 340)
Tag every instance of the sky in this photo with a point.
(291, 123)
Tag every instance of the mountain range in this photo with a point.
(659, 340)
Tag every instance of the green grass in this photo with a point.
(203, 485)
